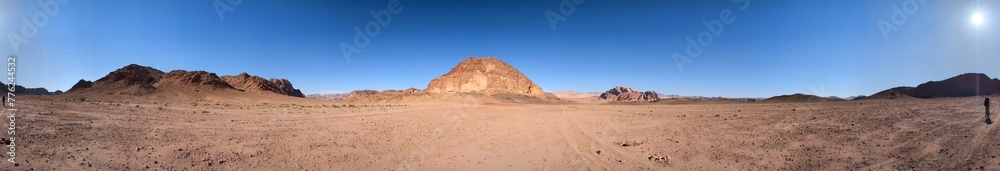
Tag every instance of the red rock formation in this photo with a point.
(624, 93)
(484, 75)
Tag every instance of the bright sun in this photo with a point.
(977, 18)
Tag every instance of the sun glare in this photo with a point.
(977, 18)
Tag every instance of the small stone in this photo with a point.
(598, 151)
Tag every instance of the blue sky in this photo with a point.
(771, 48)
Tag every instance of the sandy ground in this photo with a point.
(69, 134)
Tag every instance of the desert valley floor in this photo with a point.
(71, 133)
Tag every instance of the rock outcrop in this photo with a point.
(82, 84)
(624, 93)
(487, 76)
(256, 84)
(250, 83)
(192, 78)
(285, 87)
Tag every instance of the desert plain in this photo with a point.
(272, 132)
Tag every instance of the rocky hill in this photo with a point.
(487, 76)
(82, 84)
(892, 93)
(192, 79)
(140, 80)
(964, 85)
(625, 93)
(129, 80)
(256, 84)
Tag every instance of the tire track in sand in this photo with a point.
(577, 138)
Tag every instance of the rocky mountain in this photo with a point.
(964, 85)
(129, 80)
(487, 76)
(625, 93)
(142, 80)
(192, 78)
(256, 84)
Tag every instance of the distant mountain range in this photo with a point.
(801, 98)
(481, 75)
(18, 89)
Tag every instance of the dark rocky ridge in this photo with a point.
(625, 93)
(964, 85)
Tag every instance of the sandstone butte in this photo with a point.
(487, 76)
